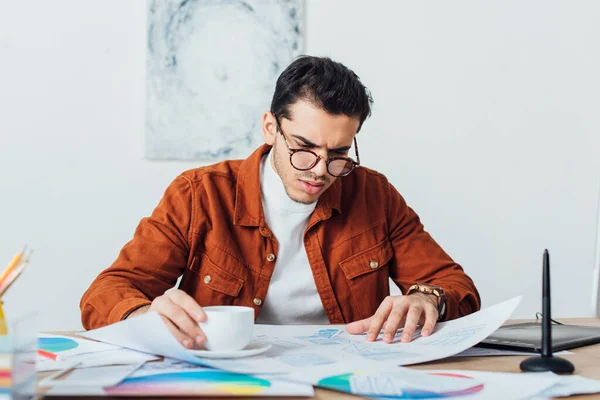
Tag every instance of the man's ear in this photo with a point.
(269, 128)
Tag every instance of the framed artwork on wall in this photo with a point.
(211, 72)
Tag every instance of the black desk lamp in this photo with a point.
(547, 362)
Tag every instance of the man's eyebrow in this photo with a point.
(308, 143)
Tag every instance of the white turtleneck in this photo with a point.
(292, 297)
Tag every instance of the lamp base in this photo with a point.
(543, 364)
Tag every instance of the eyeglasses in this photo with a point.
(304, 160)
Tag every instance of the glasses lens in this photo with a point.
(340, 167)
(303, 160)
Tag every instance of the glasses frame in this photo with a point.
(318, 157)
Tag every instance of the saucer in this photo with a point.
(252, 349)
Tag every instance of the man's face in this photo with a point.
(308, 128)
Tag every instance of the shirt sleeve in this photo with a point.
(148, 265)
(419, 259)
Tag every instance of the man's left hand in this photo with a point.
(396, 312)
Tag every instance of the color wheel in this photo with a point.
(55, 345)
(342, 384)
(212, 382)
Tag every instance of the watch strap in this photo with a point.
(432, 290)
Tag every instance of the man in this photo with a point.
(299, 231)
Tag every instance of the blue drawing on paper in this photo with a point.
(324, 337)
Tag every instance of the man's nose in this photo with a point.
(321, 168)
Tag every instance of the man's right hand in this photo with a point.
(181, 314)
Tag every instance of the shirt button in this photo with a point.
(207, 279)
(257, 301)
(270, 257)
(373, 264)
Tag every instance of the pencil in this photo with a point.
(12, 276)
(11, 265)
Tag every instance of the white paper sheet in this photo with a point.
(312, 346)
(374, 381)
(452, 337)
(67, 346)
(147, 333)
(377, 381)
(175, 379)
(119, 356)
(106, 375)
(570, 385)
(532, 386)
(300, 348)
(504, 386)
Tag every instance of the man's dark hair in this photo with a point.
(326, 84)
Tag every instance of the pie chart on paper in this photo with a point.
(343, 383)
(56, 344)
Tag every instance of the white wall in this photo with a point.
(486, 118)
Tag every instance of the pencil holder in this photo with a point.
(18, 352)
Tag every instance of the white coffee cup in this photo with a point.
(227, 328)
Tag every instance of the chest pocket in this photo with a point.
(210, 284)
(218, 279)
(367, 275)
(369, 260)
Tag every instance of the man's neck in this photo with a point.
(273, 191)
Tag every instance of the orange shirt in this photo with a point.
(210, 227)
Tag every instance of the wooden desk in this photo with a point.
(586, 360)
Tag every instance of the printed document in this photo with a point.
(301, 348)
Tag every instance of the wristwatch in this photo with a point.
(432, 290)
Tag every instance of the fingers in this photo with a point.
(395, 312)
(431, 316)
(180, 318)
(180, 336)
(193, 310)
(174, 308)
(394, 320)
(358, 327)
(379, 318)
(187, 302)
(412, 320)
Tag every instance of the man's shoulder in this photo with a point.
(364, 178)
(369, 193)
(224, 170)
(364, 189)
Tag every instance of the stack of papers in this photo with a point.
(173, 378)
(93, 364)
(325, 356)
(299, 348)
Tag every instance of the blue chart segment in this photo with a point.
(56, 345)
